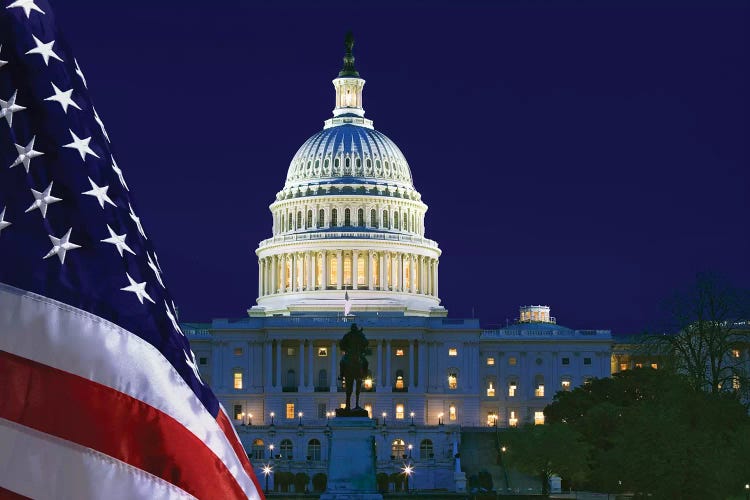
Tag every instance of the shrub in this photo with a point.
(319, 481)
(301, 480)
(382, 480)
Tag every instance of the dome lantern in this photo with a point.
(348, 85)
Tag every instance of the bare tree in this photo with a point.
(707, 335)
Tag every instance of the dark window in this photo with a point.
(360, 216)
(321, 217)
(237, 412)
(334, 218)
(347, 217)
(373, 218)
(586, 361)
(313, 448)
(566, 361)
(202, 360)
(309, 219)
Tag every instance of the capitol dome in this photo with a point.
(348, 223)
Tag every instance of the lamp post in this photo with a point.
(272, 415)
(299, 415)
(270, 450)
(249, 419)
(411, 414)
(242, 418)
(410, 447)
(747, 491)
(384, 415)
(505, 471)
(440, 418)
(267, 469)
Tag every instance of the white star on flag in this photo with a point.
(64, 98)
(118, 241)
(101, 124)
(139, 289)
(42, 200)
(26, 154)
(44, 50)
(4, 223)
(190, 359)
(80, 73)
(60, 246)
(26, 5)
(100, 193)
(137, 221)
(2, 63)
(7, 108)
(119, 173)
(172, 318)
(155, 268)
(81, 145)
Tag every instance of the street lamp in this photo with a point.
(747, 491)
(384, 415)
(411, 414)
(242, 418)
(440, 418)
(505, 471)
(267, 469)
(299, 415)
(410, 447)
(408, 470)
(249, 419)
(270, 449)
(272, 415)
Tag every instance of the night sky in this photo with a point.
(589, 158)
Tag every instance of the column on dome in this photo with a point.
(309, 283)
(355, 269)
(399, 281)
(413, 271)
(282, 285)
(429, 276)
(339, 269)
(370, 285)
(334, 365)
(293, 261)
(388, 355)
(268, 364)
(278, 364)
(437, 262)
(324, 271)
(419, 274)
(381, 269)
(260, 277)
(301, 375)
(410, 382)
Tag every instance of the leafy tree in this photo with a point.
(301, 480)
(382, 479)
(545, 450)
(704, 324)
(319, 481)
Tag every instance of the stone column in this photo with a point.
(420, 275)
(388, 355)
(411, 365)
(274, 287)
(282, 286)
(293, 260)
(334, 366)
(301, 356)
(436, 277)
(310, 281)
(278, 365)
(339, 269)
(324, 270)
(429, 277)
(268, 361)
(355, 266)
(379, 364)
(422, 360)
(310, 371)
(260, 277)
(381, 272)
(413, 270)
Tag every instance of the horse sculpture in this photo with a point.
(353, 365)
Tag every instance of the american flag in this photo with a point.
(100, 394)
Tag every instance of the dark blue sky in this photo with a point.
(589, 158)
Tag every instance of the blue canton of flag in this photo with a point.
(95, 372)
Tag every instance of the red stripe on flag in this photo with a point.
(10, 495)
(98, 417)
(226, 427)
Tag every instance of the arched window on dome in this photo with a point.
(290, 221)
(387, 169)
(377, 166)
(309, 219)
(385, 220)
(347, 217)
(361, 217)
(368, 166)
(404, 226)
(299, 220)
(326, 166)
(373, 217)
(321, 218)
(359, 165)
(413, 223)
(396, 218)
(334, 218)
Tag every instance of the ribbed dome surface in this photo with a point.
(348, 153)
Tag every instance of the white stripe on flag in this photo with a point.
(69, 339)
(37, 465)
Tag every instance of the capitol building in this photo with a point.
(348, 245)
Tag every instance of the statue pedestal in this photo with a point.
(351, 460)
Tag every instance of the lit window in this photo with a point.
(512, 361)
(538, 418)
(399, 411)
(368, 408)
(566, 361)
(565, 385)
(735, 382)
(639, 365)
(342, 406)
(291, 351)
(490, 391)
(623, 367)
(238, 351)
(539, 391)
(452, 381)
(735, 353)
(512, 420)
(238, 413)
(322, 410)
(399, 352)
(491, 418)
(290, 411)
(452, 351)
(490, 361)
(655, 366)
(368, 383)
(452, 412)
(399, 382)
(512, 389)
(322, 352)
(238, 380)
(587, 380)
(586, 361)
